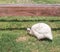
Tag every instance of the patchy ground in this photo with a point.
(22, 39)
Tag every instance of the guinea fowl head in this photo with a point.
(28, 29)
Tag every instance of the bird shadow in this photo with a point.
(45, 39)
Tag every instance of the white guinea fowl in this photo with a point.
(41, 31)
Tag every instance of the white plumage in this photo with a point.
(41, 30)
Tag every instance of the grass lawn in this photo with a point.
(14, 37)
(13, 34)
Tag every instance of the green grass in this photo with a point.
(13, 27)
(29, 1)
(47, 1)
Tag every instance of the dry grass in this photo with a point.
(34, 50)
(24, 1)
(22, 38)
